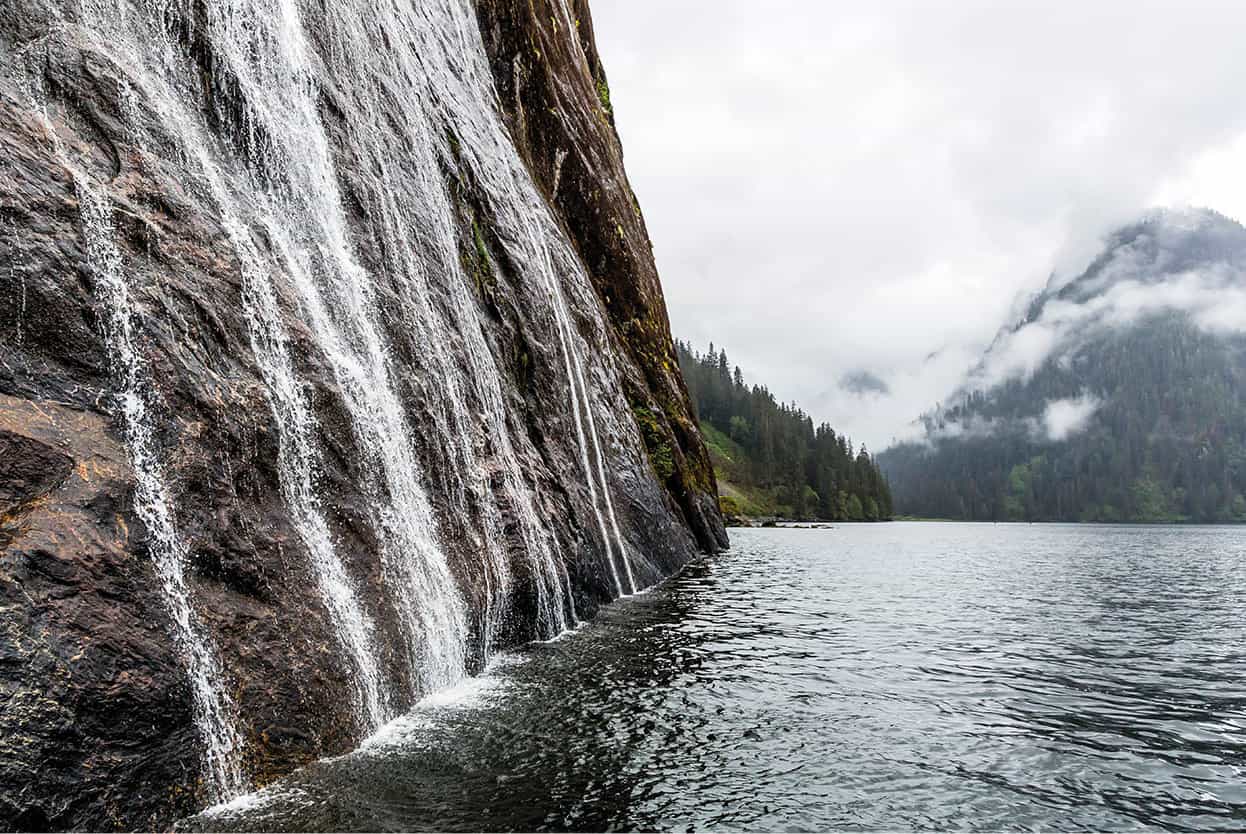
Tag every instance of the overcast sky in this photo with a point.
(839, 187)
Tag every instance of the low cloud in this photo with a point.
(864, 383)
(1214, 300)
(1065, 418)
(971, 426)
(849, 170)
(1059, 420)
(1140, 280)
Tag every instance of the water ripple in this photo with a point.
(971, 677)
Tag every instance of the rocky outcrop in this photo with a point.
(554, 90)
(98, 726)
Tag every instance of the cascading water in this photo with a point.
(213, 708)
(367, 376)
(465, 328)
(255, 145)
(423, 216)
(575, 375)
(298, 462)
(434, 214)
(260, 47)
(297, 451)
(459, 87)
(215, 714)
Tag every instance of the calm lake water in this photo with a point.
(900, 676)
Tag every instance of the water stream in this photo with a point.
(214, 711)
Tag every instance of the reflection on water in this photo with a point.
(868, 677)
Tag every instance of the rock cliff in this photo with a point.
(333, 360)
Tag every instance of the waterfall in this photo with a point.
(459, 86)
(436, 216)
(421, 213)
(298, 452)
(298, 461)
(261, 47)
(575, 375)
(244, 99)
(214, 712)
(213, 709)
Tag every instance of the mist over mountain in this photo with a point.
(1118, 397)
(864, 383)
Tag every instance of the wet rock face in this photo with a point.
(97, 729)
(556, 96)
(92, 709)
(96, 717)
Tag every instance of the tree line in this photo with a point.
(772, 456)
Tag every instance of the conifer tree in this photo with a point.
(816, 472)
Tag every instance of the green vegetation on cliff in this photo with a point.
(770, 459)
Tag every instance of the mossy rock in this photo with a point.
(661, 455)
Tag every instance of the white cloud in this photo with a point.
(1064, 418)
(1058, 421)
(1214, 177)
(974, 425)
(1214, 299)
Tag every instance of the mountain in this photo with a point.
(1121, 395)
(769, 458)
(327, 334)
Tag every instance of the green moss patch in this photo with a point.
(661, 455)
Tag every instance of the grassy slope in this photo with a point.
(728, 458)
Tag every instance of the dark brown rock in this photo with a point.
(96, 726)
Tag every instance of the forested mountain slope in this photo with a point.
(1120, 397)
(769, 457)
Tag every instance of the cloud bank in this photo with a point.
(1057, 421)
(1132, 284)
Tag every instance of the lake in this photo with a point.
(895, 676)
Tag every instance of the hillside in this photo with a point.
(770, 459)
(1120, 397)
